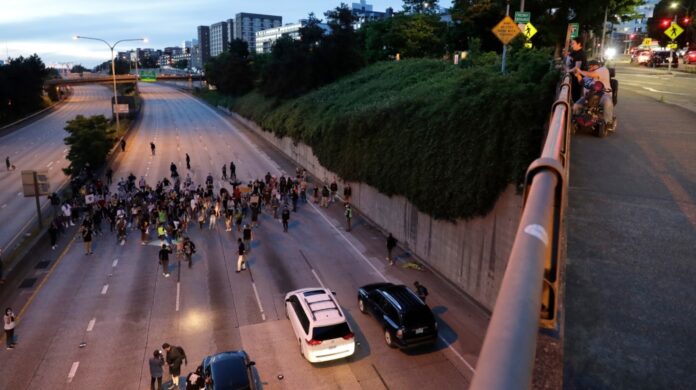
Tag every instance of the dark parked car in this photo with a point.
(661, 58)
(229, 371)
(407, 321)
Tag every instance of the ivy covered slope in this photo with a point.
(450, 139)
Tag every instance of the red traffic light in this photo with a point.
(633, 36)
(665, 22)
(686, 20)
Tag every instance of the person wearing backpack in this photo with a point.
(189, 250)
(175, 356)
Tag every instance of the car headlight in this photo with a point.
(610, 53)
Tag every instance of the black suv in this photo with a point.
(406, 319)
(661, 58)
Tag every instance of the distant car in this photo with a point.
(319, 324)
(690, 57)
(406, 320)
(229, 371)
(662, 58)
(641, 57)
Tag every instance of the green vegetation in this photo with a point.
(448, 138)
(90, 140)
(21, 88)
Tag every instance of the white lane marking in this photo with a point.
(49, 164)
(178, 290)
(115, 263)
(105, 289)
(318, 280)
(349, 243)
(258, 301)
(90, 326)
(668, 92)
(73, 371)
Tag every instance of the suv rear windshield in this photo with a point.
(330, 332)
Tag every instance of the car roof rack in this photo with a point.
(322, 304)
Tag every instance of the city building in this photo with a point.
(640, 24)
(264, 39)
(246, 25)
(203, 45)
(218, 38)
(365, 13)
(230, 29)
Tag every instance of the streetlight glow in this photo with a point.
(674, 5)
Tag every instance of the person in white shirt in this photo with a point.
(598, 72)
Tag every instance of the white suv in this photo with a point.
(319, 324)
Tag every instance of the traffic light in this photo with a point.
(665, 23)
(632, 36)
(686, 20)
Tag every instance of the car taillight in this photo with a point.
(348, 336)
(400, 333)
(314, 342)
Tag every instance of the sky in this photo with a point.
(46, 27)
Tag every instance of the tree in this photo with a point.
(78, 69)
(421, 6)
(89, 139)
(148, 62)
(411, 36)
(21, 86)
(121, 66)
(231, 71)
(338, 54)
(181, 64)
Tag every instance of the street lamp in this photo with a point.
(113, 68)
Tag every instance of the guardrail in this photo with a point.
(507, 357)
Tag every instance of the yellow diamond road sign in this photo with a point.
(529, 30)
(506, 30)
(674, 31)
(647, 41)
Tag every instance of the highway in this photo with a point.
(632, 233)
(40, 146)
(93, 321)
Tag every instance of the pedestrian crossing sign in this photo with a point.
(506, 30)
(673, 31)
(647, 41)
(529, 30)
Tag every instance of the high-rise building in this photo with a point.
(218, 38)
(203, 45)
(246, 25)
(230, 29)
(640, 24)
(365, 13)
(264, 39)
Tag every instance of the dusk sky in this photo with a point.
(46, 27)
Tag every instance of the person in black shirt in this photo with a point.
(241, 260)
(578, 60)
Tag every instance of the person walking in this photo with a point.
(224, 172)
(188, 162)
(347, 193)
(391, 244)
(189, 250)
(156, 370)
(152, 148)
(175, 357)
(324, 197)
(247, 237)
(7, 163)
(241, 260)
(109, 176)
(123, 145)
(53, 234)
(349, 216)
(164, 259)
(233, 171)
(67, 214)
(285, 217)
(421, 291)
(86, 232)
(334, 189)
(9, 326)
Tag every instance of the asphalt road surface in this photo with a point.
(120, 306)
(632, 237)
(40, 146)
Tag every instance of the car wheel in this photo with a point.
(601, 130)
(300, 344)
(388, 338)
(361, 306)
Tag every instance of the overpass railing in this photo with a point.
(528, 296)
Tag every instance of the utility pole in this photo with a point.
(502, 66)
(604, 31)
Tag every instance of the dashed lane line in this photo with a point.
(73, 371)
(115, 263)
(178, 294)
(90, 326)
(104, 289)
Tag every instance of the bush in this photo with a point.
(449, 139)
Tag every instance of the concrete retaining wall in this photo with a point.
(471, 254)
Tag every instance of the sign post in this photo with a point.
(506, 30)
(673, 31)
(36, 184)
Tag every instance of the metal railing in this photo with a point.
(507, 357)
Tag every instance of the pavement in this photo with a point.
(92, 321)
(631, 238)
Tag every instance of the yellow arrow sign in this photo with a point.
(673, 31)
(506, 30)
(529, 30)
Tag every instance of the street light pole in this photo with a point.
(113, 70)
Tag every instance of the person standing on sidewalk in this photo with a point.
(156, 372)
(164, 259)
(334, 190)
(53, 234)
(9, 326)
(349, 216)
(241, 260)
(347, 193)
(175, 356)
(391, 244)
